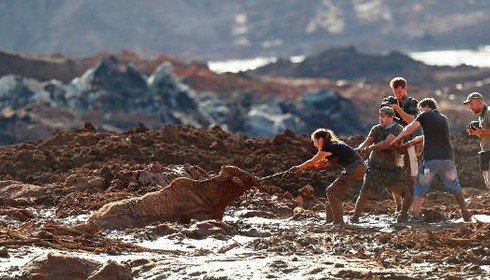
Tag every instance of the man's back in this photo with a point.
(436, 136)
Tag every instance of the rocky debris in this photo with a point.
(20, 214)
(63, 266)
(184, 199)
(17, 190)
(267, 117)
(112, 270)
(4, 252)
(58, 266)
(327, 108)
(114, 95)
(307, 200)
(113, 86)
(204, 229)
(433, 215)
(15, 91)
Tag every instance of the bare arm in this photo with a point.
(479, 132)
(313, 162)
(368, 142)
(408, 118)
(409, 129)
(414, 141)
(383, 145)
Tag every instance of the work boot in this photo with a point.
(402, 217)
(459, 197)
(328, 214)
(338, 217)
(417, 219)
(354, 219)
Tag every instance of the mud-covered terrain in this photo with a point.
(51, 192)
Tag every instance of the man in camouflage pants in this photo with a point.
(383, 169)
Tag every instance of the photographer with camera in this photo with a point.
(481, 128)
(405, 112)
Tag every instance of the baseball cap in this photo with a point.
(472, 96)
(387, 110)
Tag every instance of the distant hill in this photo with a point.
(348, 63)
(227, 29)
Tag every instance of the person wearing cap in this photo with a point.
(383, 167)
(478, 106)
(438, 159)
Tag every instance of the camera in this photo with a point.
(474, 125)
(387, 101)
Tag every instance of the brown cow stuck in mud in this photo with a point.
(184, 199)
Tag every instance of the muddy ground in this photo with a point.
(49, 189)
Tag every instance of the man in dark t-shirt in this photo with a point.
(438, 156)
(405, 108)
(384, 167)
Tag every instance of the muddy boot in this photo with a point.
(354, 219)
(328, 214)
(402, 217)
(361, 202)
(337, 213)
(462, 204)
(407, 202)
(398, 202)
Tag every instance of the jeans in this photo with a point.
(445, 169)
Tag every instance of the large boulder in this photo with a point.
(175, 102)
(328, 109)
(112, 271)
(54, 266)
(58, 266)
(182, 200)
(18, 92)
(110, 86)
(17, 190)
(269, 119)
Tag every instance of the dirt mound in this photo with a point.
(63, 266)
(182, 200)
(105, 166)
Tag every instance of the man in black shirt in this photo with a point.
(405, 111)
(438, 156)
(332, 150)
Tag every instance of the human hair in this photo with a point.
(387, 111)
(326, 134)
(398, 82)
(428, 102)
